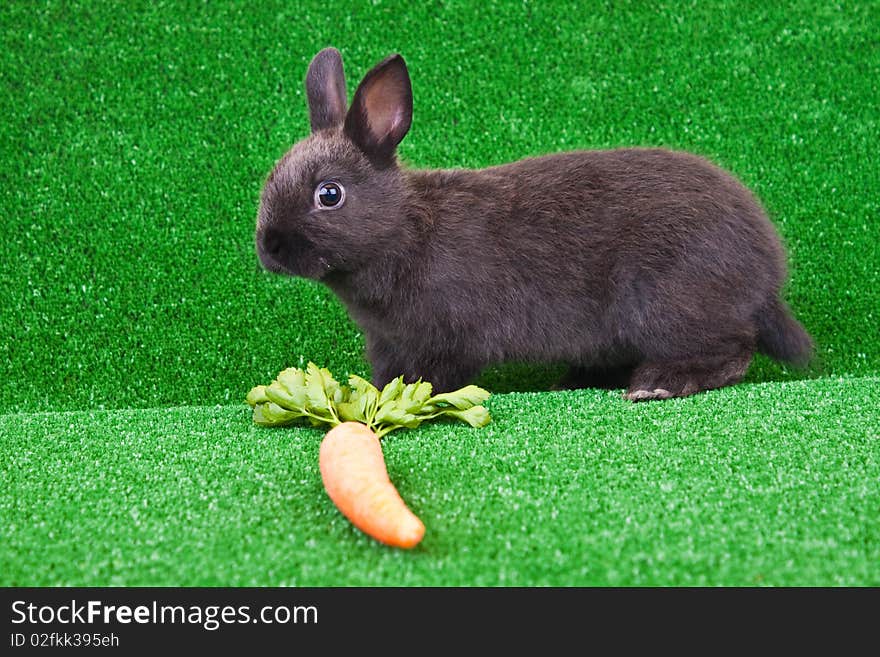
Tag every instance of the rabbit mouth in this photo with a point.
(315, 269)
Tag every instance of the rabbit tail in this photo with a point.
(781, 336)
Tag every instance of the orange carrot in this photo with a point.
(354, 474)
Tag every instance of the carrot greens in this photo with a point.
(314, 396)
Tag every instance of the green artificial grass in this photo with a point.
(134, 317)
(771, 484)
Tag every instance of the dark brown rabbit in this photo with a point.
(643, 268)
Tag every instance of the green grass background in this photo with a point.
(134, 317)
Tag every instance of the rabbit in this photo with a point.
(639, 268)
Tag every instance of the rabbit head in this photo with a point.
(336, 200)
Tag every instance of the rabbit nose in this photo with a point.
(271, 241)
(270, 248)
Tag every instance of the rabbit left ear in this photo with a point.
(381, 112)
(325, 88)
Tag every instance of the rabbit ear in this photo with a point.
(325, 87)
(381, 112)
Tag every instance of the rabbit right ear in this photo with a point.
(325, 87)
(381, 110)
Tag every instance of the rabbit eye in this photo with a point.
(329, 195)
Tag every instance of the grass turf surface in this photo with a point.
(135, 142)
(764, 484)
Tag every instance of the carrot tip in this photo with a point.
(411, 536)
